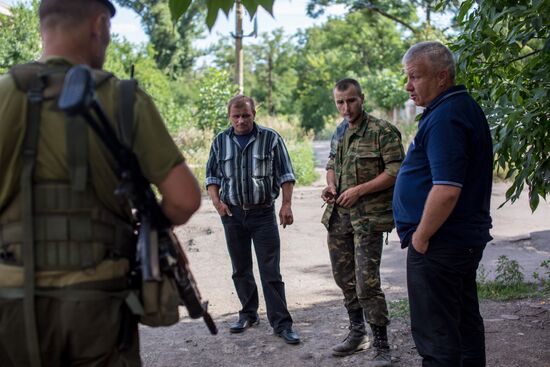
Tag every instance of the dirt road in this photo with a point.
(517, 332)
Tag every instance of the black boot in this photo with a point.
(357, 337)
(382, 358)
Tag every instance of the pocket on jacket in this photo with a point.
(261, 165)
(367, 163)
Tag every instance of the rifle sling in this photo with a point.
(34, 98)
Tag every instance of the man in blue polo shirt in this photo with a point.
(441, 207)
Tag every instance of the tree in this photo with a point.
(20, 40)
(503, 56)
(179, 7)
(274, 77)
(216, 88)
(172, 41)
(402, 12)
(360, 45)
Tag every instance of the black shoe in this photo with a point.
(289, 336)
(243, 323)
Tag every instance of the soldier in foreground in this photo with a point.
(365, 157)
(65, 240)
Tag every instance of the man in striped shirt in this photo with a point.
(247, 167)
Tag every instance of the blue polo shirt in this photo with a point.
(453, 147)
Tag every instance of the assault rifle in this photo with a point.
(158, 250)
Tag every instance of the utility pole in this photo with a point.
(239, 77)
(238, 35)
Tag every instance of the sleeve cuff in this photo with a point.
(212, 181)
(392, 169)
(286, 178)
(447, 183)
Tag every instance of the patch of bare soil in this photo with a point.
(517, 332)
(517, 335)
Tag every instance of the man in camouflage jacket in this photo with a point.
(365, 157)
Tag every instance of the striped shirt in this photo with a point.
(252, 175)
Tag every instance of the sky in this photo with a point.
(288, 14)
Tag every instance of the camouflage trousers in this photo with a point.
(355, 258)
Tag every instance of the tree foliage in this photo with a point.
(216, 88)
(504, 58)
(273, 76)
(20, 40)
(360, 45)
(179, 7)
(172, 41)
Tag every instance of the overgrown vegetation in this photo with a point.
(509, 281)
(502, 49)
(193, 103)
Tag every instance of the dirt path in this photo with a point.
(517, 332)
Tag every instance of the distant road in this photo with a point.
(321, 149)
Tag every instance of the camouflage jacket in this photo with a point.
(375, 148)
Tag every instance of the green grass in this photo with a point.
(399, 308)
(499, 292)
(509, 282)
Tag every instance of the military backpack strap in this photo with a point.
(77, 152)
(34, 98)
(125, 124)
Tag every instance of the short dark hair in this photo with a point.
(240, 100)
(72, 10)
(344, 84)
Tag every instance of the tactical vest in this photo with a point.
(71, 229)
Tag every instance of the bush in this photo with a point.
(508, 283)
(301, 154)
(298, 143)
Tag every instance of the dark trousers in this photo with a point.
(447, 327)
(258, 226)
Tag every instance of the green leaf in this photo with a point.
(534, 201)
(267, 5)
(177, 8)
(251, 6)
(464, 8)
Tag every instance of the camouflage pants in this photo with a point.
(355, 258)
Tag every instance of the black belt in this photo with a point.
(254, 206)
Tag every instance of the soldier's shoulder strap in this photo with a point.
(127, 97)
(53, 76)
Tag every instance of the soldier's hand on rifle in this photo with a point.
(349, 197)
(222, 208)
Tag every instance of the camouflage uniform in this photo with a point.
(355, 234)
